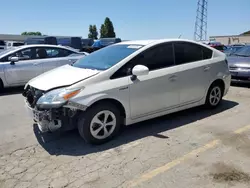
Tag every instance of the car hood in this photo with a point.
(239, 61)
(62, 76)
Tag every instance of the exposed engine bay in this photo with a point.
(52, 119)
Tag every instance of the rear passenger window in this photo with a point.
(187, 52)
(65, 53)
(207, 53)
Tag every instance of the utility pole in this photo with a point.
(200, 31)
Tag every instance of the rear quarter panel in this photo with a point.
(219, 70)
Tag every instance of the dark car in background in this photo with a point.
(101, 43)
(87, 42)
(73, 42)
(239, 65)
(41, 40)
(2, 45)
(218, 46)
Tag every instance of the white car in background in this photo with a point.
(125, 83)
(11, 44)
(20, 64)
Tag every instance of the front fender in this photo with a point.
(90, 100)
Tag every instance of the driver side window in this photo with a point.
(157, 57)
(25, 54)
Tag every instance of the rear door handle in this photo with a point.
(172, 78)
(206, 68)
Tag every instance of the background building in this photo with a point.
(232, 39)
(20, 38)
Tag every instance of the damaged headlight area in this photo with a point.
(56, 98)
(52, 110)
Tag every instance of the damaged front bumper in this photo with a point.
(44, 119)
(53, 119)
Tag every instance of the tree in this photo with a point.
(246, 33)
(93, 34)
(107, 29)
(32, 33)
(102, 31)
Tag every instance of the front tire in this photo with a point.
(214, 96)
(100, 123)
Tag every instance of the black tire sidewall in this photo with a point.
(208, 104)
(85, 120)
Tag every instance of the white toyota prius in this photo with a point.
(125, 83)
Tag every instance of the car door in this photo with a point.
(20, 72)
(54, 57)
(159, 90)
(70, 57)
(48, 57)
(194, 70)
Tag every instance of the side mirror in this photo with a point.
(13, 60)
(139, 70)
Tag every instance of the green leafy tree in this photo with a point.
(107, 29)
(32, 33)
(93, 32)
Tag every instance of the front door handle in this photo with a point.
(206, 68)
(172, 78)
(71, 61)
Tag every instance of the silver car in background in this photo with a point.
(239, 65)
(20, 64)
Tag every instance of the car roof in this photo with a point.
(155, 41)
(46, 45)
(41, 45)
(13, 49)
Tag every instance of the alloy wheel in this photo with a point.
(103, 124)
(215, 96)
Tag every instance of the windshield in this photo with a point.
(245, 51)
(106, 57)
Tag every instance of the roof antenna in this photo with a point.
(179, 36)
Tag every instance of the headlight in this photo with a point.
(56, 98)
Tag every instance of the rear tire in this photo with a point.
(214, 95)
(100, 123)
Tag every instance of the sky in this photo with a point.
(132, 19)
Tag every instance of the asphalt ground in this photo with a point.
(193, 148)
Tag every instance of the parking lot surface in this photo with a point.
(194, 148)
